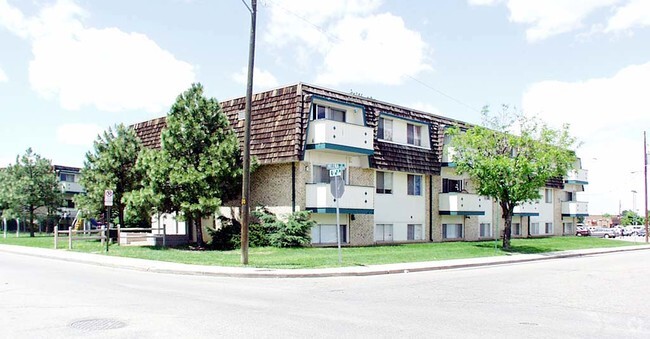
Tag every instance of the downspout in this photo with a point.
(431, 208)
(293, 187)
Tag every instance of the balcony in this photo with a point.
(575, 209)
(528, 209)
(448, 153)
(462, 204)
(355, 199)
(340, 136)
(576, 177)
(71, 187)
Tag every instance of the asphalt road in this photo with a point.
(604, 296)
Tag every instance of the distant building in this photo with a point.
(602, 221)
(69, 183)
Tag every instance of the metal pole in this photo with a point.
(56, 236)
(4, 222)
(245, 208)
(108, 228)
(645, 181)
(69, 237)
(17, 227)
(338, 223)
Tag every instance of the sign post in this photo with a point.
(337, 188)
(108, 202)
(4, 223)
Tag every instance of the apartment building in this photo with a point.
(69, 182)
(400, 182)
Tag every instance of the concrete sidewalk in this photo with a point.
(251, 272)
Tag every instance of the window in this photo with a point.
(570, 196)
(414, 232)
(451, 185)
(548, 228)
(321, 174)
(414, 135)
(384, 183)
(384, 232)
(446, 139)
(69, 203)
(385, 130)
(414, 184)
(66, 177)
(534, 228)
(329, 113)
(485, 230)
(326, 234)
(452, 231)
(567, 227)
(548, 195)
(516, 228)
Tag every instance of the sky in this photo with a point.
(70, 69)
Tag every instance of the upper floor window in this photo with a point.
(451, 185)
(385, 130)
(414, 135)
(66, 177)
(548, 195)
(384, 182)
(321, 174)
(329, 113)
(414, 183)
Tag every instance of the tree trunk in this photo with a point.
(507, 227)
(31, 221)
(199, 232)
(120, 215)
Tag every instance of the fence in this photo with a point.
(71, 234)
(137, 236)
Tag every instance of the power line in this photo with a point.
(333, 38)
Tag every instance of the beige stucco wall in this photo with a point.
(557, 212)
(436, 181)
(362, 230)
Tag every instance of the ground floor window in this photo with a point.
(516, 228)
(548, 228)
(567, 227)
(326, 234)
(485, 230)
(414, 232)
(384, 232)
(452, 231)
(534, 228)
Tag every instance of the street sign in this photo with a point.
(108, 197)
(336, 173)
(337, 186)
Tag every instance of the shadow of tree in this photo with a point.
(519, 249)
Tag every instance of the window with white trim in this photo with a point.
(516, 228)
(414, 232)
(385, 129)
(384, 183)
(414, 183)
(548, 195)
(485, 230)
(452, 231)
(326, 234)
(548, 228)
(534, 228)
(567, 227)
(329, 113)
(67, 177)
(384, 232)
(414, 135)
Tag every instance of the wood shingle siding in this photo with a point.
(149, 132)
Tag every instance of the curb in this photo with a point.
(350, 271)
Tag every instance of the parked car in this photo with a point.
(602, 232)
(582, 232)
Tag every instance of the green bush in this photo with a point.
(227, 237)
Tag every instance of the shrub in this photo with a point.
(228, 236)
(293, 233)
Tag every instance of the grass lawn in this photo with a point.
(269, 257)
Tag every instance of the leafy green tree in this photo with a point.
(511, 158)
(31, 185)
(199, 164)
(631, 218)
(111, 165)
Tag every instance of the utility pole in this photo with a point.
(645, 182)
(246, 185)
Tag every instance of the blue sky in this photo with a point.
(70, 69)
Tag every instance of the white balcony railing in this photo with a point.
(462, 203)
(71, 187)
(448, 153)
(575, 208)
(528, 208)
(354, 197)
(329, 134)
(577, 177)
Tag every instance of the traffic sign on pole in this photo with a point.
(108, 197)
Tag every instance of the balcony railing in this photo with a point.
(448, 153)
(355, 199)
(71, 187)
(340, 136)
(577, 177)
(575, 209)
(527, 209)
(462, 204)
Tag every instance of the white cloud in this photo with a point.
(3, 76)
(106, 68)
(261, 79)
(551, 17)
(354, 43)
(635, 13)
(609, 116)
(78, 134)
